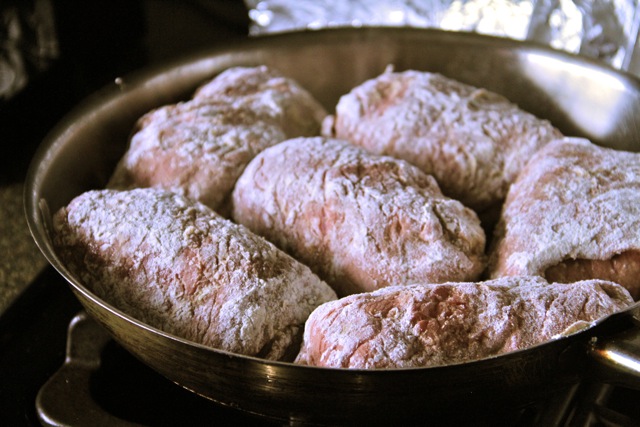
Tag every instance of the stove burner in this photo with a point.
(100, 383)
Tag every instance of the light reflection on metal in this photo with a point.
(575, 79)
(621, 359)
(270, 373)
(619, 354)
(603, 29)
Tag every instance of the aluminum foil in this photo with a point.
(603, 29)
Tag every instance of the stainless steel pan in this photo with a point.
(579, 96)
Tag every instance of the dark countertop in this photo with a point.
(20, 258)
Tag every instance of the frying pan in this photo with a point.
(580, 96)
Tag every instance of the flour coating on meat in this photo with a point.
(473, 141)
(426, 325)
(199, 147)
(269, 94)
(574, 213)
(359, 220)
(178, 266)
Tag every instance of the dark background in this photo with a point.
(97, 41)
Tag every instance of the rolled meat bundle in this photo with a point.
(473, 141)
(426, 325)
(359, 220)
(176, 265)
(269, 94)
(573, 214)
(199, 147)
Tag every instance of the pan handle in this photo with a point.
(65, 399)
(617, 357)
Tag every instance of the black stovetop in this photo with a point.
(32, 345)
(34, 340)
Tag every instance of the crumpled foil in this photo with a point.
(602, 29)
